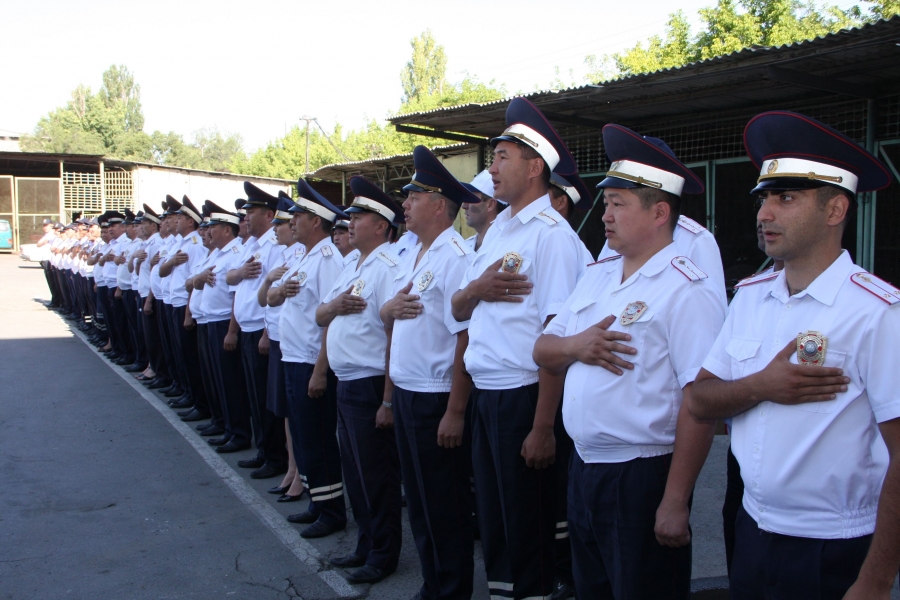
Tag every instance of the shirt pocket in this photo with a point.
(834, 360)
(744, 353)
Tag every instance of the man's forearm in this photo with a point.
(262, 293)
(233, 277)
(462, 306)
(461, 387)
(552, 353)
(714, 398)
(693, 439)
(275, 296)
(165, 269)
(550, 388)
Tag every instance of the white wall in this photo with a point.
(152, 184)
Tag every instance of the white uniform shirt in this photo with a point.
(191, 245)
(110, 268)
(99, 250)
(160, 285)
(353, 256)
(301, 338)
(357, 343)
(814, 470)
(502, 334)
(151, 247)
(470, 242)
(617, 418)
(247, 311)
(195, 303)
(43, 252)
(406, 243)
(423, 348)
(123, 275)
(287, 256)
(219, 299)
(698, 244)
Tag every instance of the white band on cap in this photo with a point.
(191, 214)
(370, 204)
(570, 191)
(282, 215)
(798, 168)
(646, 175)
(152, 218)
(317, 209)
(224, 218)
(532, 138)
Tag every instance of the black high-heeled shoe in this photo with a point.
(281, 491)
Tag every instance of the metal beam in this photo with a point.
(816, 82)
(444, 135)
(577, 121)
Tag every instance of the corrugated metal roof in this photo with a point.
(333, 172)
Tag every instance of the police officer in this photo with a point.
(431, 389)
(357, 346)
(150, 223)
(310, 385)
(173, 239)
(629, 492)
(527, 266)
(116, 323)
(127, 294)
(480, 215)
(808, 408)
(258, 256)
(340, 236)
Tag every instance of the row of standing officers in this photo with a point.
(470, 369)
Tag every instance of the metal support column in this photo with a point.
(865, 224)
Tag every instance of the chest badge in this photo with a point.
(424, 280)
(299, 277)
(632, 312)
(257, 255)
(811, 348)
(512, 262)
(358, 288)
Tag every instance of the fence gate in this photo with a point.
(37, 198)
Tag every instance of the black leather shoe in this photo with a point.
(124, 361)
(351, 561)
(173, 401)
(195, 415)
(214, 430)
(187, 411)
(219, 441)
(251, 463)
(206, 425)
(159, 384)
(289, 498)
(279, 490)
(174, 392)
(232, 446)
(168, 389)
(135, 368)
(183, 404)
(563, 591)
(321, 529)
(266, 471)
(305, 518)
(367, 574)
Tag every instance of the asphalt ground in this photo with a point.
(105, 493)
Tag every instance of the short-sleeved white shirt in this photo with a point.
(617, 418)
(287, 255)
(145, 273)
(357, 343)
(317, 270)
(405, 244)
(249, 314)
(423, 348)
(160, 285)
(813, 470)
(353, 256)
(697, 243)
(110, 267)
(502, 334)
(123, 275)
(100, 249)
(195, 303)
(218, 299)
(191, 245)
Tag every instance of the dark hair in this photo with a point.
(326, 225)
(650, 196)
(235, 229)
(827, 192)
(529, 153)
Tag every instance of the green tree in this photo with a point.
(883, 9)
(426, 69)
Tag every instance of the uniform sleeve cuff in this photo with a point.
(718, 369)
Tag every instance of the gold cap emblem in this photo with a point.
(773, 166)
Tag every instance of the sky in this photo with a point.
(254, 68)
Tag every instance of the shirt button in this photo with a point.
(756, 448)
(613, 294)
(754, 484)
(762, 412)
(788, 306)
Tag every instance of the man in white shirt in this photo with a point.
(357, 347)
(815, 414)
(638, 449)
(117, 323)
(480, 215)
(44, 247)
(523, 273)
(310, 385)
(431, 389)
(258, 256)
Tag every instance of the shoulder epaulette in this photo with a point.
(387, 259)
(690, 224)
(194, 240)
(327, 251)
(604, 260)
(686, 267)
(876, 287)
(459, 248)
(757, 278)
(546, 218)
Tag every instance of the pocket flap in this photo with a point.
(742, 348)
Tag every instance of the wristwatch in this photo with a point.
(387, 404)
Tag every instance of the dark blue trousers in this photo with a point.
(734, 494)
(168, 342)
(268, 430)
(313, 423)
(130, 299)
(612, 514)
(102, 311)
(118, 325)
(231, 388)
(516, 504)
(276, 394)
(207, 375)
(771, 566)
(438, 497)
(371, 471)
(151, 338)
(185, 342)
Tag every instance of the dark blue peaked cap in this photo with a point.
(311, 201)
(527, 125)
(283, 210)
(188, 208)
(370, 198)
(638, 160)
(575, 189)
(796, 152)
(257, 197)
(432, 176)
(217, 214)
(129, 217)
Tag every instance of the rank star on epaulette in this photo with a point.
(632, 312)
(424, 280)
(235, 250)
(387, 259)
(326, 251)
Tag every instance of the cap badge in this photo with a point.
(299, 277)
(633, 312)
(811, 348)
(424, 280)
(358, 288)
(512, 262)
(773, 166)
